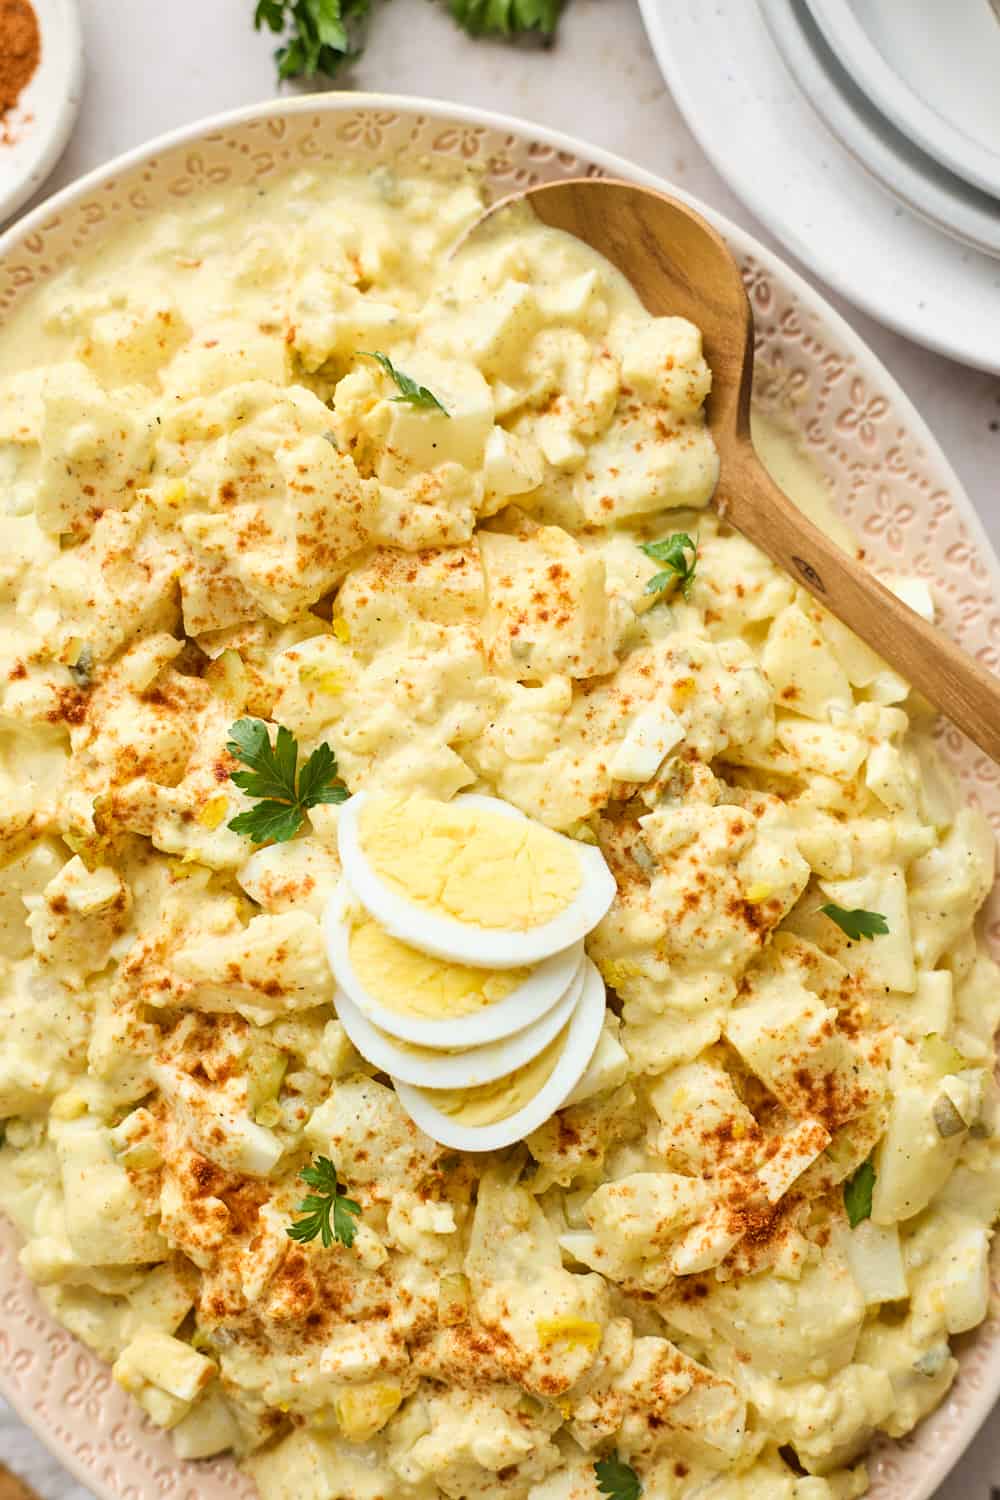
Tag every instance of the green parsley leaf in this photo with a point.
(857, 924)
(272, 768)
(318, 36)
(412, 393)
(272, 777)
(318, 779)
(327, 1213)
(507, 17)
(672, 551)
(858, 1191)
(269, 13)
(344, 1227)
(616, 1479)
(315, 33)
(268, 823)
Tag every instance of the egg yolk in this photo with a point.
(410, 983)
(490, 1103)
(469, 862)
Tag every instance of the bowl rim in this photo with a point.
(984, 1395)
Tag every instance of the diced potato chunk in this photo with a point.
(547, 610)
(165, 1375)
(804, 673)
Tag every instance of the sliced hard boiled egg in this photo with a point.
(497, 1114)
(472, 880)
(427, 1068)
(430, 1002)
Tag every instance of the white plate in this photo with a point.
(918, 181)
(933, 68)
(765, 139)
(41, 123)
(893, 485)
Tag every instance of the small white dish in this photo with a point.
(429, 1069)
(40, 124)
(582, 1038)
(765, 139)
(932, 69)
(918, 181)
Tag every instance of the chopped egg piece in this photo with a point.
(648, 741)
(916, 593)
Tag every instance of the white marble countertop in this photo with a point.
(154, 66)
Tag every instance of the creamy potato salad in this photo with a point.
(272, 457)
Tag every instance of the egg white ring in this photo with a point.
(465, 1069)
(467, 942)
(584, 1033)
(542, 989)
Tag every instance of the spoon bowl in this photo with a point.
(680, 266)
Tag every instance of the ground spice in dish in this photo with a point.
(20, 50)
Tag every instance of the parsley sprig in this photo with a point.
(672, 552)
(857, 923)
(507, 17)
(616, 1479)
(285, 793)
(318, 36)
(858, 1191)
(315, 36)
(327, 1213)
(410, 391)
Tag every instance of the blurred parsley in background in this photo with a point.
(318, 35)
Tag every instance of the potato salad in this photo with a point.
(363, 619)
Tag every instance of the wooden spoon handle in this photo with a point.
(960, 687)
(12, 1488)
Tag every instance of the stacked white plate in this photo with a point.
(915, 152)
(932, 70)
(866, 133)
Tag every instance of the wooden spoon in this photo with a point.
(12, 1488)
(678, 264)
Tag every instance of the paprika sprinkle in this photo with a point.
(20, 50)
